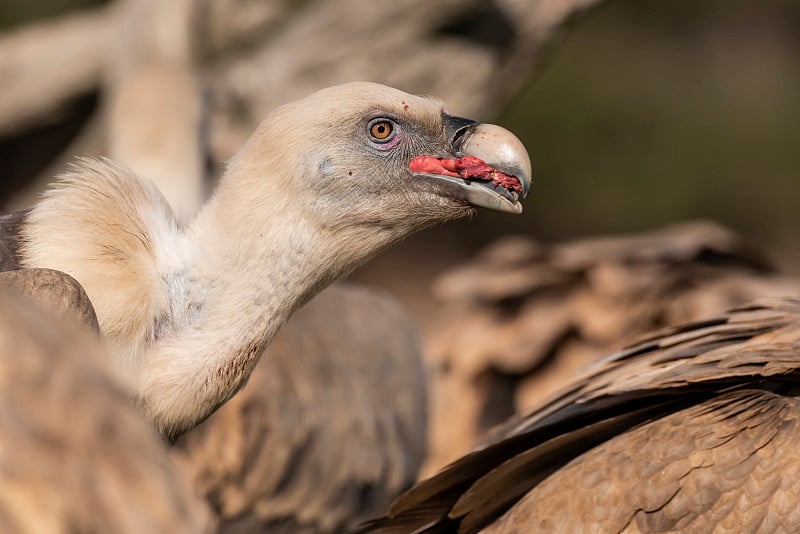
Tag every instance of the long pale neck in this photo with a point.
(244, 276)
(247, 281)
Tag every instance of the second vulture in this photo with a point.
(323, 184)
(523, 317)
(329, 429)
(692, 429)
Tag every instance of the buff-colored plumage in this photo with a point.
(188, 310)
(105, 227)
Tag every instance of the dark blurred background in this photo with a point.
(14, 13)
(654, 111)
(650, 112)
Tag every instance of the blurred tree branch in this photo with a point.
(245, 57)
(44, 65)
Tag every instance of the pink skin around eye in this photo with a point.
(390, 143)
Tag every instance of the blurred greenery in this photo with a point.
(652, 111)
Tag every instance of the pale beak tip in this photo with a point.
(502, 150)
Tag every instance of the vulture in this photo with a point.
(694, 428)
(344, 375)
(321, 185)
(523, 317)
(329, 428)
(75, 453)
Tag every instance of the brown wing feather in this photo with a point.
(522, 318)
(756, 346)
(76, 454)
(331, 426)
(729, 463)
(55, 291)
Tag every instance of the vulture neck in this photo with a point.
(252, 256)
(253, 272)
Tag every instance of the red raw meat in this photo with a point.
(467, 167)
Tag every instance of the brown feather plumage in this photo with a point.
(523, 317)
(673, 433)
(330, 427)
(10, 226)
(75, 453)
(57, 291)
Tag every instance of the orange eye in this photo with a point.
(381, 129)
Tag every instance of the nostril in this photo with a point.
(459, 137)
(456, 129)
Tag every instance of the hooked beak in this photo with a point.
(489, 166)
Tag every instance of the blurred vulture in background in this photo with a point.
(330, 427)
(694, 428)
(523, 317)
(75, 453)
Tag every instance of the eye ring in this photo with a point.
(381, 130)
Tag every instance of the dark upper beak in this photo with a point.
(498, 148)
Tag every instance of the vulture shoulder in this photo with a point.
(107, 228)
(727, 464)
(76, 454)
(330, 427)
(690, 427)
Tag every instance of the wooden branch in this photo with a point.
(474, 55)
(45, 65)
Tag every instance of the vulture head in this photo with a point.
(371, 157)
(321, 185)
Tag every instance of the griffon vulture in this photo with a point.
(331, 425)
(322, 184)
(692, 429)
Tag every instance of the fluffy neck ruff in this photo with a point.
(188, 311)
